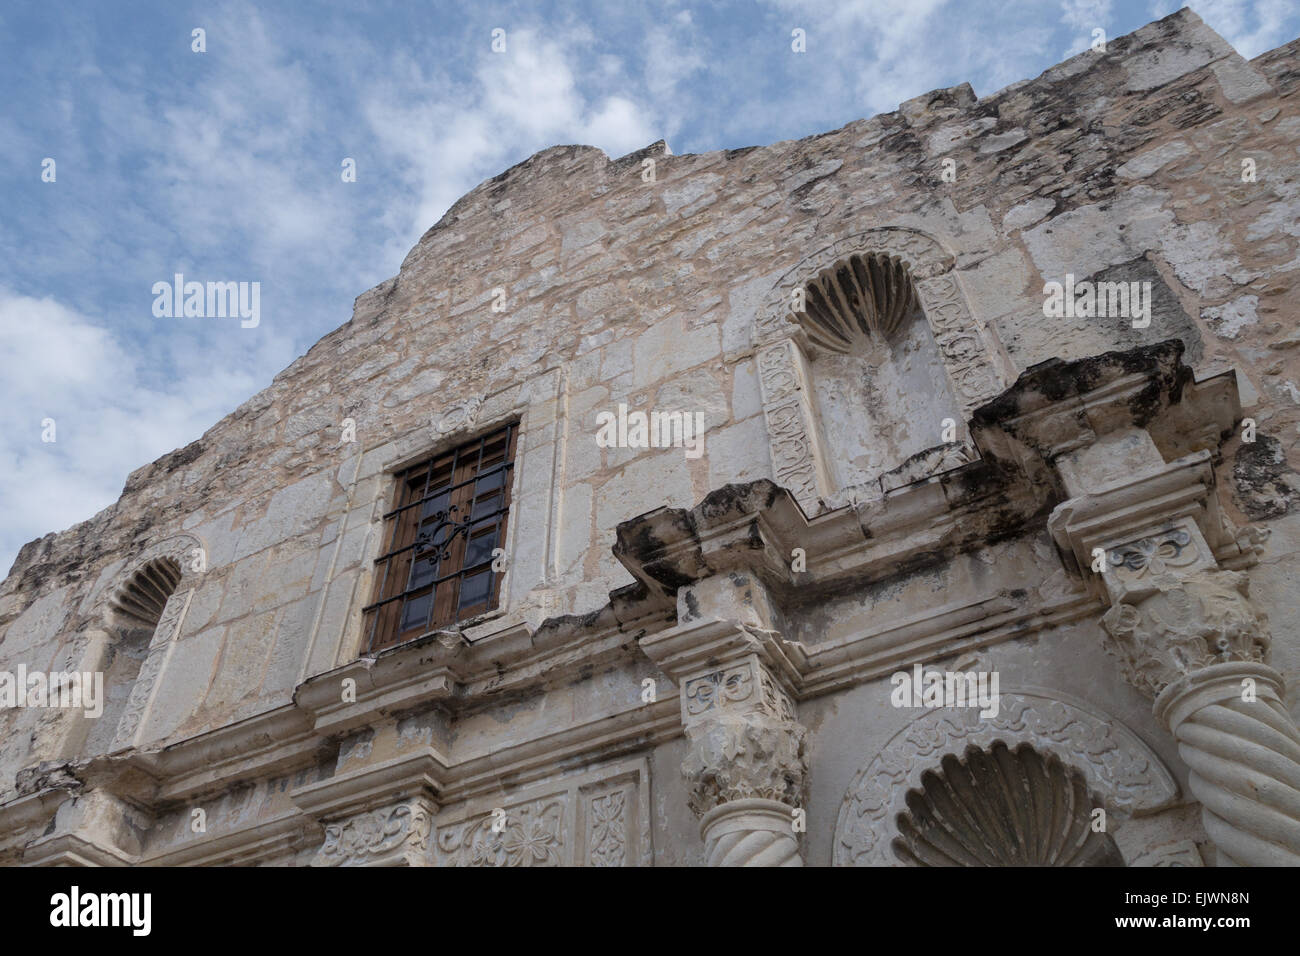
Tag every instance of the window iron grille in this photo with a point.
(442, 537)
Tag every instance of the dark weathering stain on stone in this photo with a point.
(1266, 486)
(1057, 380)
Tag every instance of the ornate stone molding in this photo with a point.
(525, 834)
(598, 819)
(459, 416)
(1126, 774)
(797, 461)
(145, 687)
(390, 836)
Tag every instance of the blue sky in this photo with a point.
(225, 165)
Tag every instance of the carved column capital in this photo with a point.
(1184, 623)
(1196, 643)
(742, 756)
(747, 768)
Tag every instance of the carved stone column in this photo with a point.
(1187, 635)
(1197, 646)
(746, 768)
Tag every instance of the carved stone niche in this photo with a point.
(1076, 755)
(1003, 807)
(140, 613)
(856, 346)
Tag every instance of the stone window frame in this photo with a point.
(973, 360)
(511, 428)
(526, 596)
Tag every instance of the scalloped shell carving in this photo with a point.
(857, 301)
(1116, 764)
(142, 598)
(1002, 807)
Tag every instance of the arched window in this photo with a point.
(139, 604)
(135, 611)
(139, 617)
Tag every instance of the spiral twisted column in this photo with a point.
(1198, 646)
(751, 832)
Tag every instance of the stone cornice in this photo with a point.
(69, 849)
(420, 773)
(264, 842)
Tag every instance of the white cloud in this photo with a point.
(108, 421)
(1251, 26)
(1082, 17)
(449, 137)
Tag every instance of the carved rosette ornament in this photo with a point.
(1198, 646)
(746, 767)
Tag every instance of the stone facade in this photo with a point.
(907, 464)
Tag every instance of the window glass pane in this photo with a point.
(479, 550)
(490, 482)
(486, 505)
(435, 505)
(416, 612)
(475, 589)
(424, 570)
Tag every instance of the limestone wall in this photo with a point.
(1124, 165)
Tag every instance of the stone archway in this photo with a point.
(1122, 771)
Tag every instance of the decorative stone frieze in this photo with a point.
(389, 836)
(797, 462)
(600, 818)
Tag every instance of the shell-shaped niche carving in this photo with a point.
(1002, 807)
(859, 299)
(141, 600)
